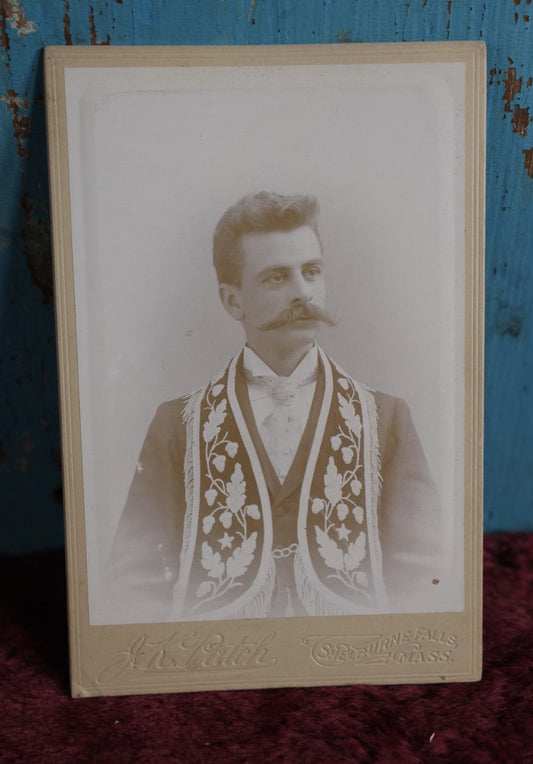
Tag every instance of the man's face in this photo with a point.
(281, 270)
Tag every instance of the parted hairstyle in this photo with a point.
(257, 213)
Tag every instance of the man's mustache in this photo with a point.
(298, 312)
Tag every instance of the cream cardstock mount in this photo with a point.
(148, 147)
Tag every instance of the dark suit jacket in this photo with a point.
(144, 562)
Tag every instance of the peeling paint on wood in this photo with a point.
(521, 120)
(20, 121)
(513, 86)
(4, 37)
(37, 248)
(12, 11)
(449, 11)
(66, 23)
(528, 161)
(94, 36)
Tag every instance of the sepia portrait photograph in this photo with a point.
(269, 270)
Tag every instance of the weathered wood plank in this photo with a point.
(30, 512)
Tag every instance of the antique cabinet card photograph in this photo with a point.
(269, 296)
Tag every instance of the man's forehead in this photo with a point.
(297, 241)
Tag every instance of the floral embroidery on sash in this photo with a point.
(226, 529)
(339, 517)
(231, 513)
(227, 569)
(338, 567)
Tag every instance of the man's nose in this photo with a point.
(301, 290)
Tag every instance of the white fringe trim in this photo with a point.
(191, 485)
(189, 417)
(259, 605)
(373, 489)
(313, 601)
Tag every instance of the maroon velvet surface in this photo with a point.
(489, 721)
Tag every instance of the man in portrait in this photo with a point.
(284, 486)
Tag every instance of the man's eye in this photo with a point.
(275, 278)
(313, 272)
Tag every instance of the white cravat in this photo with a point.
(281, 405)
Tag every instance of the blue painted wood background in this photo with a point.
(30, 475)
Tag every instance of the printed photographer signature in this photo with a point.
(193, 652)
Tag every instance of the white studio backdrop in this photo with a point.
(156, 155)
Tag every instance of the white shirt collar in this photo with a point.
(258, 368)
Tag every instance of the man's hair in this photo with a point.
(257, 213)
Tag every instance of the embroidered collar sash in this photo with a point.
(226, 568)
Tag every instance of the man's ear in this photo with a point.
(230, 297)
